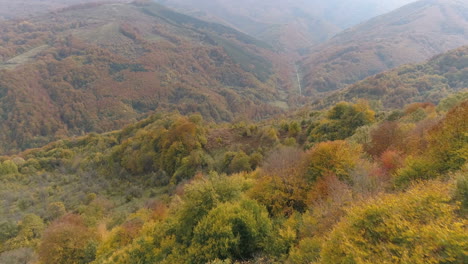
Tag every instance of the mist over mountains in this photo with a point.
(297, 24)
(28, 8)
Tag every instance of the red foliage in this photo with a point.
(391, 160)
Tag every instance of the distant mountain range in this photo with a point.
(410, 34)
(291, 25)
(348, 13)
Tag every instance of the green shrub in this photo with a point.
(308, 251)
(414, 169)
(8, 230)
(231, 231)
(461, 192)
(8, 167)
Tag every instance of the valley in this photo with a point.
(233, 132)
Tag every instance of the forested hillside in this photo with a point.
(175, 189)
(132, 133)
(428, 82)
(411, 34)
(97, 67)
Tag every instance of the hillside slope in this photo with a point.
(410, 34)
(428, 82)
(176, 189)
(96, 67)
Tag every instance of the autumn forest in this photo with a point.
(171, 132)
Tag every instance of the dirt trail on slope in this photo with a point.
(22, 58)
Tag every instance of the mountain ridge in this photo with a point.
(291, 26)
(409, 34)
(428, 82)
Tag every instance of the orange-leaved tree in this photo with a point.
(68, 241)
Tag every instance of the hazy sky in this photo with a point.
(343, 13)
(24, 8)
(340, 12)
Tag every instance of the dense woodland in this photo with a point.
(131, 133)
(427, 82)
(344, 185)
(95, 68)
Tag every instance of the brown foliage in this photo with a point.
(387, 135)
(428, 107)
(323, 187)
(76, 85)
(66, 241)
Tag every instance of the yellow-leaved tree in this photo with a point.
(420, 226)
